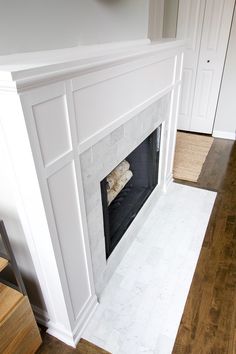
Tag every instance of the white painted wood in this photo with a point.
(61, 199)
(170, 126)
(224, 135)
(110, 102)
(210, 26)
(171, 135)
(31, 214)
(215, 34)
(51, 121)
(55, 110)
(29, 70)
(65, 204)
(190, 20)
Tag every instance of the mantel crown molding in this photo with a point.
(20, 72)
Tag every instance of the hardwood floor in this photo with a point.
(51, 345)
(208, 325)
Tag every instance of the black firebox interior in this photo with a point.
(144, 163)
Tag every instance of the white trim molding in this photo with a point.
(55, 106)
(224, 135)
(73, 338)
(27, 71)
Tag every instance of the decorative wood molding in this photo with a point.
(224, 135)
(75, 62)
(63, 103)
(83, 146)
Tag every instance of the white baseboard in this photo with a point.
(41, 316)
(224, 135)
(72, 338)
(169, 180)
(84, 319)
(58, 331)
(54, 329)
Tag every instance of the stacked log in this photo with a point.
(117, 179)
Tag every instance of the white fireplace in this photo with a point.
(98, 161)
(67, 123)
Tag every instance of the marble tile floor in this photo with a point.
(141, 307)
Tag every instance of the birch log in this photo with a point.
(117, 188)
(116, 174)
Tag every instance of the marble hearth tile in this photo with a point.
(141, 307)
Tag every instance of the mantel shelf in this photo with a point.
(18, 71)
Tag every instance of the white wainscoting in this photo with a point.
(63, 109)
(118, 95)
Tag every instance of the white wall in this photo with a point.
(156, 16)
(33, 25)
(225, 122)
(170, 18)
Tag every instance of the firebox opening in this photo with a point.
(127, 187)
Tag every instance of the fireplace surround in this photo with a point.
(99, 160)
(144, 166)
(68, 118)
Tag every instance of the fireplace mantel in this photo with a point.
(23, 71)
(58, 112)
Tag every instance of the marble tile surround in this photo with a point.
(96, 163)
(141, 307)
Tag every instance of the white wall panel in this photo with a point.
(64, 198)
(51, 120)
(190, 18)
(206, 26)
(100, 105)
(203, 99)
(185, 90)
(216, 10)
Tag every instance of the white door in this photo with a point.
(190, 22)
(215, 28)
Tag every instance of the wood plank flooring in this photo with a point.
(52, 345)
(208, 325)
(3, 263)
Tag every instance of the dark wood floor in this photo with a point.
(208, 325)
(52, 345)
